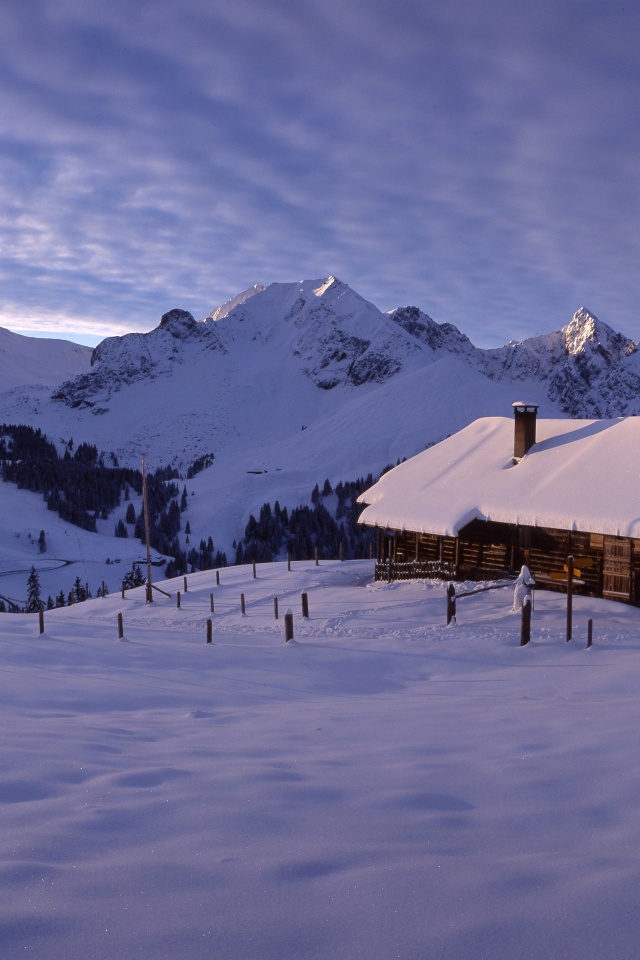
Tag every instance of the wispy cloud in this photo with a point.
(477, 161)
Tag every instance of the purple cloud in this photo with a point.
(479, 162)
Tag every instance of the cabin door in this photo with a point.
(616, 569)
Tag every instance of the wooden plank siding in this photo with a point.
(488, 549)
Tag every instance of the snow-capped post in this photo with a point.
(569, 596)
(217, 578)
(242, 604)
(185, 584)
(525, 623)
(523, 588)
(209, 631)
(451, 604)
(211, 601)
(41, 617)
(589, 632)
(120, 627)
(178, 599)
(275, 608)
(305, 605)
(254, 570)
(288, 626)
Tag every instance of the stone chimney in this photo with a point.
(525, 428)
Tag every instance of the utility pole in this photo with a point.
(146, 531)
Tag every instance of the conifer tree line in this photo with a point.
(82, 488)
(78, 486)
(301, 530)
(76, 594)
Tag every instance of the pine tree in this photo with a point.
(33, 592)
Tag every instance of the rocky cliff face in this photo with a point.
(586, 367)
(325, 332)
(121, 361)
(320, 328)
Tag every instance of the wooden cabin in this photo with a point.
(503, 492)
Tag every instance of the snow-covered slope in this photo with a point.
(381, 787)
(295, 382)
(227, 307)
(28, 361)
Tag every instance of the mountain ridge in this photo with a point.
(297, 383)
(320, 335)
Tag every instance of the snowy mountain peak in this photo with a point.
(587, 335)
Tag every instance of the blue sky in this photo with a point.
(477, 161)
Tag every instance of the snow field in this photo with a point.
(382, 787)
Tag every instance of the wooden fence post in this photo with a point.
(341, 552)
(120, 627)
(305, 605)
(288, 626)
(178, 599)
(41, 617)
(123, 589)
(211, 601)
(242, 604)
(209, 631)
(525, 624)
(275, 608)
(317, 563)
(569, 597)
(254, 570)
(217, 578)
(288, 561)
(451, 604)
(589, 632)
(185, 584)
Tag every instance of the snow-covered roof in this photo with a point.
(579, 475)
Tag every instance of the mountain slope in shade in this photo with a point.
(26, 361)
(319, 329)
